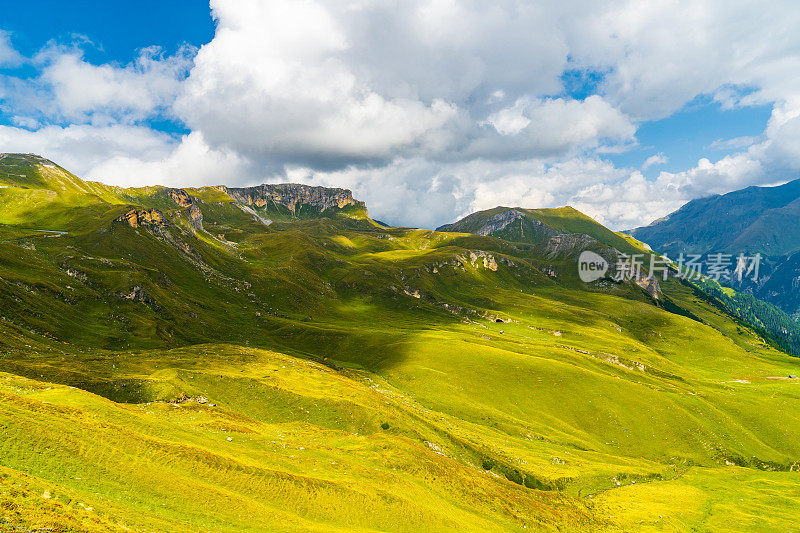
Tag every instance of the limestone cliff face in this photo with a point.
(293, 196)
(143, 217)
(478, 257)
(184, 199)
(181, 197)
(499, 222)
(509, 223)
(570, 245)
(651, 286)
(195, 217)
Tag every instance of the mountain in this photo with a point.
(187, 359)
(538, 225)
(764, 220)
(548, 228)
(755, 219)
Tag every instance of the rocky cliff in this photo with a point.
(184, 199)
(292, 196)
(143, 217)
(505, 223)
(195, 217)
(180, 197)
(500, 221)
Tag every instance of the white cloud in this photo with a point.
(82, 147)
(510, 120)
(550, 128)
(302, 84)
(770, 159)
(25, 122)
(289, 96)
(68, 89)
(431, 194)
(9, 57)
(85, 91)
(655, 159)
(734, 144)
(129, 155)
(428, 109)
(661, 54)
(189, 162)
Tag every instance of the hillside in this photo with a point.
(551, 229)
(538, 225)
(187, 359)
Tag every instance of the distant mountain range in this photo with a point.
(763, 220)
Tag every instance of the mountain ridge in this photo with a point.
(731, 222)
(546, 227)
(763, 220)
(287, 195)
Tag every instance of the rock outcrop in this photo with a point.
(195, 217)
(509, 223)
(651, 286)
(293, 196)
(184, 199)
(143, 217)
(137, 294)
(499, 222)
(570, 245)
(181, 197)
(479, 257)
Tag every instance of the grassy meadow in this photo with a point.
(327, 373)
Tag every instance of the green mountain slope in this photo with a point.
(764, 220)
(551, 229)
(537, 225)
(169, 371)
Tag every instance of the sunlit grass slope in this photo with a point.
(278, 444)
(332, 374)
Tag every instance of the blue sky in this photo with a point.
(113, 32)
(697, 130)
(691, 134)
(117, 29)
(427, 110)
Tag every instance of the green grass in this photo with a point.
(361, 381)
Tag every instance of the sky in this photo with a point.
(426, 110)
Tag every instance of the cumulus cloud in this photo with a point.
(431, 193)
(83, 146)
(82, 90)
(427, 109)
(772, 158)
(290, 97)
(188, 162)
(510, 120)
(303, 83)
(552, 127)
(662, 54)
(68, 89)
(128, 155)
(655, 159)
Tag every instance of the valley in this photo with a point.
(272, 359)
